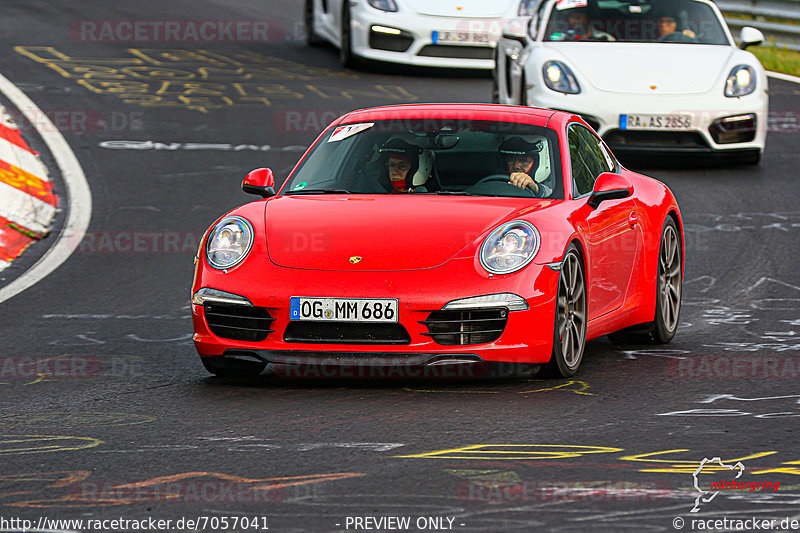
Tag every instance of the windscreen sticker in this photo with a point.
(343, 132)
(570, 4)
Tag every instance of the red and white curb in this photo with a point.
(30, 205)
(27, 202)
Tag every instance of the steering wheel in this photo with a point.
(677, 37)
(499, 178)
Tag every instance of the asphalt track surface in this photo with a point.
(106, 411)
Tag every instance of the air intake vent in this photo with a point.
(238, 322)
(345, 333)
(466, 327)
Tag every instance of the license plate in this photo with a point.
(343, 309)
(669, 122)
(460, 37)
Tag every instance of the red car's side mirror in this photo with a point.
(609, 186)
(259, 181)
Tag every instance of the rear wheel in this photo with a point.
(523, 91)
(669, 286)
(312, 39)
(569, 332)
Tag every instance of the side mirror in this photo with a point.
(609, 186)
(516, 30)
(750, 36)
(260, 182)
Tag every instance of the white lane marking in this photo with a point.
(78, 201)
(23, 159)
(782, 76)
(28, 211)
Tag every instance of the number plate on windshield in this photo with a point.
(672, 122)
(343, 309)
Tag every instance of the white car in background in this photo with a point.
(647, 75)
(434, 33)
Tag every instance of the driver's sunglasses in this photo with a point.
(524, 159)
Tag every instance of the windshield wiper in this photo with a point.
(318, 191)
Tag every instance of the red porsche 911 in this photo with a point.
(434, 235)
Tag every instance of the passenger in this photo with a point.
(522, 160)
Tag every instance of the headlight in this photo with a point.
(558, 77)
(741, 81)
(229, 242)
(509, 247)
(383, 5)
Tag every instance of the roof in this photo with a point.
(493, 112)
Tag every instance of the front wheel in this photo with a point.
(569, 331)
(346, 56)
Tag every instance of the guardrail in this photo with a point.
(784, 35)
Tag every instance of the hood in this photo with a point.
(671, 68)
(387, 232)
(462, 9)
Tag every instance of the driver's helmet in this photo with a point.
(517, 147)
(394, 153)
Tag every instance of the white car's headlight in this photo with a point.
(510, 247)
(558, 77)
(383, 5)
(741, 81)
(229, 242)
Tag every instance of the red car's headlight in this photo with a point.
(510, 247)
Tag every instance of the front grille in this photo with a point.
(238, 322)
(466, 327)
(674, 140)
(457, 51)
(345, 333)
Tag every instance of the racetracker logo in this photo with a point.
(176, 31)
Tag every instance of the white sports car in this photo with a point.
(438, 33)
(647, 75)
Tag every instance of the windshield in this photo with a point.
(435, 157)
(646, 21)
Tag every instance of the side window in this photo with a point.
(586, 159)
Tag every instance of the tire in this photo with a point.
(346, 56)
(669, 287)
(569, 326)
(312, 39)
(523, 92)
(495, 90)
(226, 367)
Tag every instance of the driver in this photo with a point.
(522, 160)
(401, 160)
(578, 20)
(668, 25)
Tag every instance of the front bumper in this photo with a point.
(603, 111)
(415, 45)
(526, 338)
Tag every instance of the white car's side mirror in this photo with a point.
(750, 36)
(516, 29)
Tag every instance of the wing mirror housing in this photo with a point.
(260, 182)
(516, 29)
(609, 186)
(750, 36)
